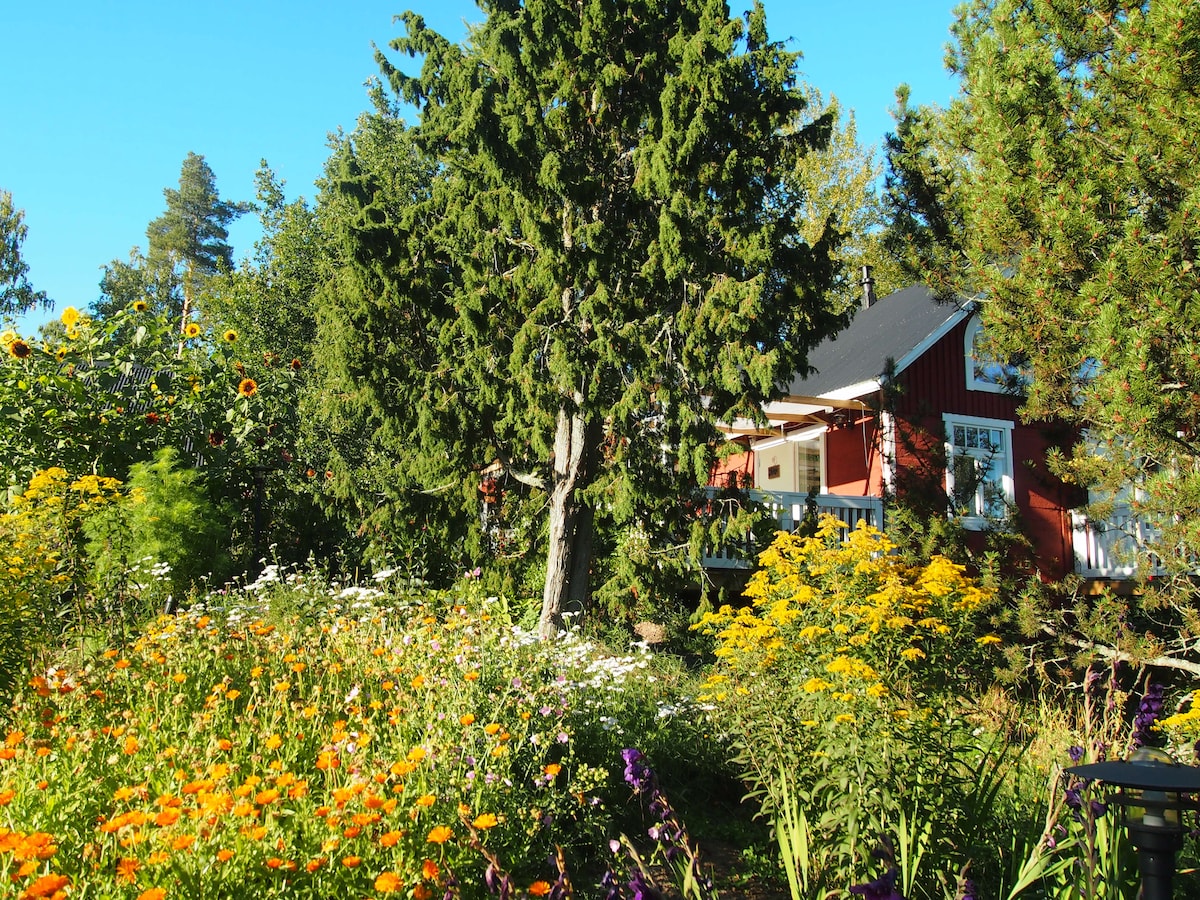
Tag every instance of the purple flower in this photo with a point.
(642, 888)
(968, 890)
(1148, 712)
(638, 774)
(1076, 753)
(882, 888)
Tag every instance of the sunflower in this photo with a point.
(70, 317)
(191, 330)
(230, 336)
(247, 387)
(140, 306)
(18, 349)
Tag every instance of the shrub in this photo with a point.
(844, 684)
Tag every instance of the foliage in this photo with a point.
(605, 264)
(16, 293)
(101, 396)
(845, 682)
(187, 245)
(839, 185)
(302, 739)
(1061, 189)
(167, 523)
(42, 559)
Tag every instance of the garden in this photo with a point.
(837, 731)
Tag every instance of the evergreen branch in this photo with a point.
(1114, 655)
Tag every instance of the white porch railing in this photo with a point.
(788, 511)
(1112, 548)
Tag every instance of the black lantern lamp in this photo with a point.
(1154, 792)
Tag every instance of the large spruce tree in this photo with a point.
(606, 263)
(1068, 202)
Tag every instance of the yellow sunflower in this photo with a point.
(247, 387)
(70, 317)
(191, 330)
(230, 336)
(140, 305)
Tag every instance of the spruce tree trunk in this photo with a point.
(568, 557)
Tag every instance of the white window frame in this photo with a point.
(978, 520)
(974, 329)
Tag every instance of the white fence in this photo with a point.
(788, 510)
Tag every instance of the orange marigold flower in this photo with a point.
(267, 797)
(471, 676)
(467, 719)
(539, 889)
(183, 842)
(14, 738)
(154, 893)
(485, 821)
(429, 870)
(247, 387)
(390, 838)
(224, 855)
(166, 817)
(351, 862)
(420, 892)
(426, 800)
(47, 886)
(388, 882)
(439, 834)
(127, 870)
(313, 864)
(491, 727)
(551, 769)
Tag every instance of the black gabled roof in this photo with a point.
(899, 327)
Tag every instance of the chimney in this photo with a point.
(868, 286)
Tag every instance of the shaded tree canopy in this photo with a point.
(606, 264)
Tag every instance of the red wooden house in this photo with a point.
(905, 404)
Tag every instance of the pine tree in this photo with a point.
(1068, 202)
(607, 263)
(191, 238)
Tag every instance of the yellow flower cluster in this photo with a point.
(847, 613)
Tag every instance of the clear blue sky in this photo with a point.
(102, 101)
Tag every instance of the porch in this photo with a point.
(788, 509)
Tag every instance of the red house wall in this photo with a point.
(935, 384)
(852, 461)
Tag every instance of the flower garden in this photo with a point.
(837, 731)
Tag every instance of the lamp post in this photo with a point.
(1152, 796)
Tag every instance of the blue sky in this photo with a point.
(103, 101)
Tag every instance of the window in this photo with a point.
(984, 371)
(979, 471)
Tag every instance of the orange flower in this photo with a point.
(247, 387)
(388, 882)
(420, 892)
(426, 800)
(471, 676)
(127, 870)
(466, 719)
(267, 797)
(224, 855)
(154, 893)
(166, 817)
(491, 727)
(485, 821)
(390, 839)
(131, 745)
(439, 835)
(539, 889)
(313, 864)
(351, 862)
(552, 769)
(47, 886)
(327, 759)
(429, 870)
(183, 842)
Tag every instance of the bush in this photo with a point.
(846, 684)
